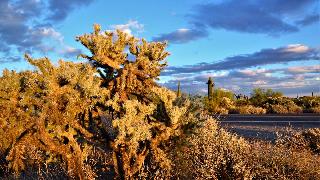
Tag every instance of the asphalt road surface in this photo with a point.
(265, 126)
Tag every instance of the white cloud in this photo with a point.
(291, 84)
(51, 33)
(183, 30)
(297, 48)
(54, 40)
(130, 27)
(215, 74)
(69, 51)
(259, 82)
(304, 69)
(299, 77)
(252, 72)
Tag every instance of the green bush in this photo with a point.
(260, 96)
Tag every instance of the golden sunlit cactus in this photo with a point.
(145, 114)
(59, 110)
(143, 129)
(42, 108)
(128, 66)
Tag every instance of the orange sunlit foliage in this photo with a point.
(43, 109)
(109, 119)
(61, 109)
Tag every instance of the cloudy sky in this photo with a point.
(241, 44)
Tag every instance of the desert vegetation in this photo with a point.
(261, 101)
(108, 119)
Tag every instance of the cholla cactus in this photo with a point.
(146, 116)
(121, 75)
(41, 109)
(144, 128)
(61, 110)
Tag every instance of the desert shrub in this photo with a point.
(249, 109)
(306, 139)
(282, 105)
(270, 161)
(293, 108)
(278, 109)
(312, 136)
(259, 96)
(219, 106)
(221, 111)
(226, 103)
(242, 102)
(211, 153)
(219, 93)
(308, 102)
(315, 109)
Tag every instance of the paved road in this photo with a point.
(296, 121)
(265, 126)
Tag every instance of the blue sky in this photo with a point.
(241, 44)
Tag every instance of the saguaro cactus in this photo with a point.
(210, 88)
(178, 91)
